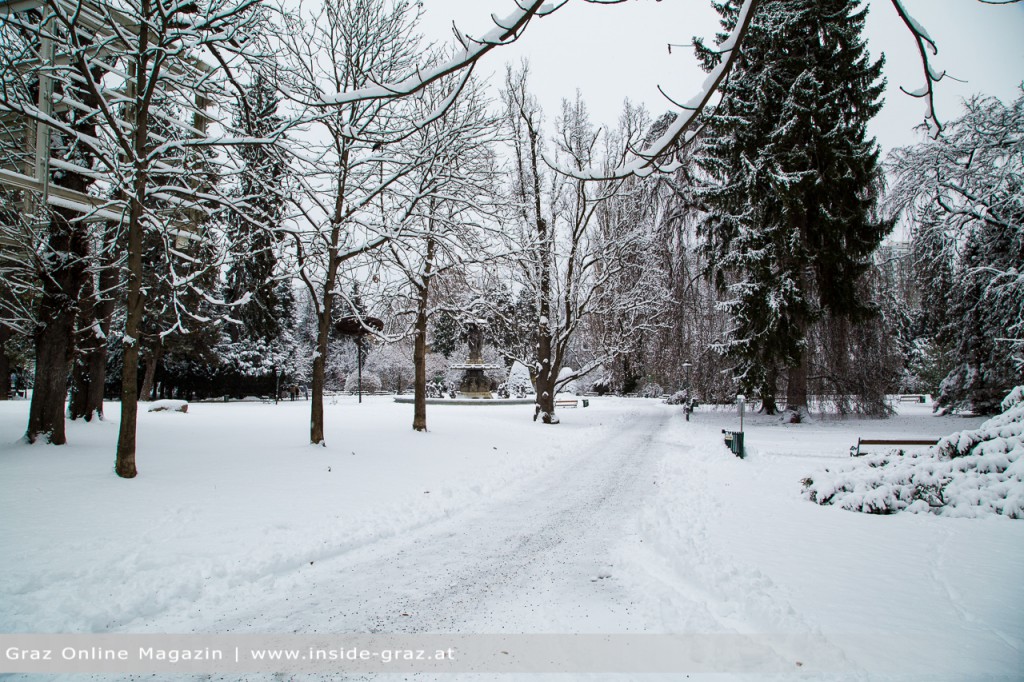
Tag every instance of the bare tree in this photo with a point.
(644, 161)
(123, 70)
(453, 194)
(577, 270)
(344, 205)
(57, 235)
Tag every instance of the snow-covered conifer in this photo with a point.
(964, 194)
(788, 183)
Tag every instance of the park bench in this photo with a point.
(855, 449)
(911, 398)
(567, 402)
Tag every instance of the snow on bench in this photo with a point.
(169, 406)
(855, 449)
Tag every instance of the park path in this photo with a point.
(535, 559)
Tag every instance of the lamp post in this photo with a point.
(687, 366)
(734, 439)
(358, 327)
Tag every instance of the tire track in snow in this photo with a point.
(536, 561)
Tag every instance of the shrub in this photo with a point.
(970, 473)
(371, 382)
(652, 390)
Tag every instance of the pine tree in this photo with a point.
(258, 342)
(787, 183)
(252, 240)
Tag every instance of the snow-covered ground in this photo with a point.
(622, 519)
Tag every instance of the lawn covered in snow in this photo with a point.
(623, 518)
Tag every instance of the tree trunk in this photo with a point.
(81, 377)
(152, 361)
(5, 363)
(545, 406)
(325, 316)
(53, 350)
(839, 332)
(58, 311)
(90, 370)
(88, 378)
(796, 388)
(547, 373)
(316, 420)
(768, 404)
(419, 416)
(125, 464)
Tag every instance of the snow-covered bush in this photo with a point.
(678, 398)
(970, 473)
(518, 384)
(600, 381)
(371, 382)
(438, 387)
(393, 365)
(652, 390)
(570, 387)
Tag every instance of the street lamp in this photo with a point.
(358, 327)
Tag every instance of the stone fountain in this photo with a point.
(475, 384)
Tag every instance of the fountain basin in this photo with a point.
(493, 402)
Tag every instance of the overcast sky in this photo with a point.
(611, 52)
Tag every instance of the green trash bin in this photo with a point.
(734, 441)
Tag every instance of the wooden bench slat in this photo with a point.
(900, 441)
(855, 450)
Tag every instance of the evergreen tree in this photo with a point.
(251, 235)
(964, 194)
(788, 174)
(179, 317)
(256, 347)
(445, 333)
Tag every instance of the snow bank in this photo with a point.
(168, 406)
(975, 472)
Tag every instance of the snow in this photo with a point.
(974, 472)
(168, 406)
(506, 30)
(570, 385)
(915, 25)
(518, 382)
(622, 519)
